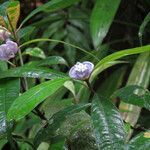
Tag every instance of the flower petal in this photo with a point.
(89, 65)
(72, 73)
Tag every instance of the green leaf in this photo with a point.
(9, 91)
(58, 41)
(102, 67)
(36, 52)
(140, 75)
(57, 143)
(142, 27)
(31, 98)
(140, 142)
(121, 54)
(11, 11)
(108, 125)
(53, 60)
(46, 133)
(32, 72)
(101, 19)
(25, 32)
(2, 143)
(51, 6)
(135, 95)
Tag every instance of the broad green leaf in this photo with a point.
(135, 95)
(51, 6)
(46, 133)
(108, 125)
(140, 75)
(43, 146)
(32, 72)
(25, 103)
(12, 10)
(9, 91)
(121, 54)
(140, 142)
(71, 87)
(101, 19)
(57, 143)
(142, 27)
(35, 52)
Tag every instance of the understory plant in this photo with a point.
(65, 84)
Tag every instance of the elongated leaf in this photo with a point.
(140, 142)
(123, 53)
(140, 75)
(102, 67)
(30, 99)
(101, 19)
(35, 52)
(58, 41)
(9, 91)
(51, 6)
(142, 27)
(13, 12)
(53, 60)
(32, 72)
(25, 32)
(130, 95)
(45, 134)
(108, 125)
(11, 9)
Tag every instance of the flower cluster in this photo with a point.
(9, 49)
(81, 71)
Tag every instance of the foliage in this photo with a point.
(41, 107)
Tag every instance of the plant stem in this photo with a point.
(91, 89)
(11, 63)
(89, 86)
(19, 51)
(38, 113)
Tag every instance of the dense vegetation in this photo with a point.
(74, 75)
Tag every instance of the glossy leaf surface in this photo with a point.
(140, 142)
(32, 72)
(122, 53)
(35, 52)
(9, 91)
(25, 103)
(101, 19)
(135, 95)
(108, 125)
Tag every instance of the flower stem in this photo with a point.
(19, 51)
(89, 86)
(91, 89)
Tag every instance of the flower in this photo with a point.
(81, 71)
(4, 35)
(8, 50)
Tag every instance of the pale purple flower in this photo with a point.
(4, 35)
(8, 50)
(81, 71)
